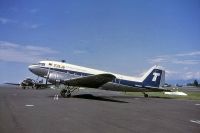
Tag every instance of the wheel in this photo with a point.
(65, 93)
(69, 95)
(62, 93)
(146, 95)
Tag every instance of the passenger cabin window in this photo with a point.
(50, 64)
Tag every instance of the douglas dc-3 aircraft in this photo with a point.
(73, 77)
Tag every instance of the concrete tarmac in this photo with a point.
(41, 111)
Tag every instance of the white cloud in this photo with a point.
(182, 58)
(182, 74)
(80, 52)
(40, 49)
(186, 62)
(13, 55)
(192, 75)
(194, 53)
(26, 54)
(34, 10)
(185, 68)
(174, 61)
(157, 60)
(25, 24)
(31, 25)
(185, 65)
(5, 44)
(34, 26)
(171, 72)
(6, 20)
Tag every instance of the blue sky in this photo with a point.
(126, 37)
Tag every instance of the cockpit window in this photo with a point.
(41, 64)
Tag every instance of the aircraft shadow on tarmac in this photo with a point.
(92, 97)
(111, 98)
(161, 97)
(98, 98)
(136, 97)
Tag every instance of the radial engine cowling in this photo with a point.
(55, 77)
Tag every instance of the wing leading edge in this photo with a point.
(93, 81)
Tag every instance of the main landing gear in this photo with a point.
(66, 93)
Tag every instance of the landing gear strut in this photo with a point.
(67, 91)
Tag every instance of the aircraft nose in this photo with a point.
(32, 68)
(35, 69)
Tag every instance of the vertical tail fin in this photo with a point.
(154, 77)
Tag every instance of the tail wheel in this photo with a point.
(146, 95)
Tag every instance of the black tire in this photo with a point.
(62, 93)
(69, 95)
(65, 93)
(146, 95)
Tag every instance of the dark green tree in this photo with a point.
(196, 83)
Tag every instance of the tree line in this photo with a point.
(195, 83)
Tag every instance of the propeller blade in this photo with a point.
(47, 77)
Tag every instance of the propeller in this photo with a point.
(47, 76)
(37, 78)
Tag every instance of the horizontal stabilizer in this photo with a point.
(176, 93)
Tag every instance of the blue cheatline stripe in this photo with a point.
(117, 80)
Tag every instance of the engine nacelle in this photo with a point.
(55, 77)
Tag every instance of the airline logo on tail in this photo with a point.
(155, 75)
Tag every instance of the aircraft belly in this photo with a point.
(119, 87)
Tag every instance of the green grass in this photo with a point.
(190, 96)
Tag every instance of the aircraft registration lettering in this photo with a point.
(63, 67)
(59, 66)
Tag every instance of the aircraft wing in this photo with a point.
(93, 81)
(12, 83)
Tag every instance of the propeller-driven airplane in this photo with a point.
(74, 77)
(28, 82)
